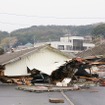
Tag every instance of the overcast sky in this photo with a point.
(15, 14)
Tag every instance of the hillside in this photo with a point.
(47, 33)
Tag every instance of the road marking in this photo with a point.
(67, 98)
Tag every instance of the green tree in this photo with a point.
(1, 51)
(99, 30)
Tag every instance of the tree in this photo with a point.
(8, 42)
(99, 30)
(1, 51)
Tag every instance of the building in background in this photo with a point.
(70, 44)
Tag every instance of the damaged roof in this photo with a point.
(11, 57)
(98, 50)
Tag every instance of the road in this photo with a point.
(92, 96)
(9, 95)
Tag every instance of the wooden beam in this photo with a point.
(56, 100)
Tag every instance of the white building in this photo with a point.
(44, 58)
(73, 44)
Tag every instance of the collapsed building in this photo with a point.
(96, 56)
(88, 65)
(47, 64)
(28, 62)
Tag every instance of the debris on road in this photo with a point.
(94, 91)
(102, 82)
(42, 88)
(56, 100)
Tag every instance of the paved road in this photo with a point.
(10, 96)
(93, 96)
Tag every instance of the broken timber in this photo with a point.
(45, 88)
(56, 100)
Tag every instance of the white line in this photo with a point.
(67, 98)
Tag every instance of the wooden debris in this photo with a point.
(22, 81)
(97, 63)
(93, 90)
(56, 100)
(6, 80)
(44, 88)
(90, 78)
(102, 82)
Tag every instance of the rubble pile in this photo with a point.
(75, 70)
(75, 74)
(78, 73)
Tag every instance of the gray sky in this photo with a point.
(15, 14)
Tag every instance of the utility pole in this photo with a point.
(9, 42)
(34, 40)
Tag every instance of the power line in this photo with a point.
(54, 17)
(46, 17)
